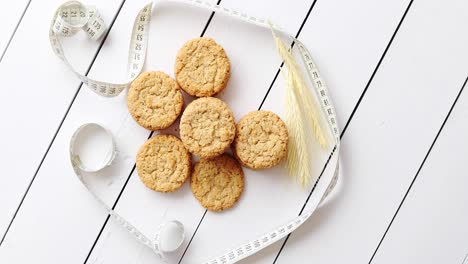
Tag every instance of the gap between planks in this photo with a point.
(14, 31)
(419, 169)
(352, 115)
(61, 122)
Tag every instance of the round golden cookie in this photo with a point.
(207, 127)
(163, 163)
(217, 183)
(202, 67)
(154, 100)
(261, 141)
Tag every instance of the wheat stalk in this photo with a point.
(303, 93)
(298, 163)
(300, 105)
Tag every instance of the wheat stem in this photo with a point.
(300, 108)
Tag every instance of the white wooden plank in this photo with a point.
(58, 213)
(431, 224)
(37, 91)
(9, 18)
(389, 136)
(342, 36)
(250, 50)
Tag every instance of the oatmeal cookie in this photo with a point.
(217, 183)
(154, 100)
(261, 141)
(202, 67)
(207, 127)
(163, 163)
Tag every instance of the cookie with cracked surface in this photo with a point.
(202, 67)
(217, 183)
(261, 141)
(154, 100)
(207, 127)
(163, 163)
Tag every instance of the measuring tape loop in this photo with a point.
(73, 16)
(169, 235)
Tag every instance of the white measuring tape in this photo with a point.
(169, 235)
(73, 16)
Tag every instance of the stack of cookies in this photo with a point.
(207, 129)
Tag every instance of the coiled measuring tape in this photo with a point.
(73, 16)
(169, 235)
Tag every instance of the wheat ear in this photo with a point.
(300, 105)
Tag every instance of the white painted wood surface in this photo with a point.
(41, 88)
(407, 83)
(9, 19)
(431, 225)
(389, 136)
